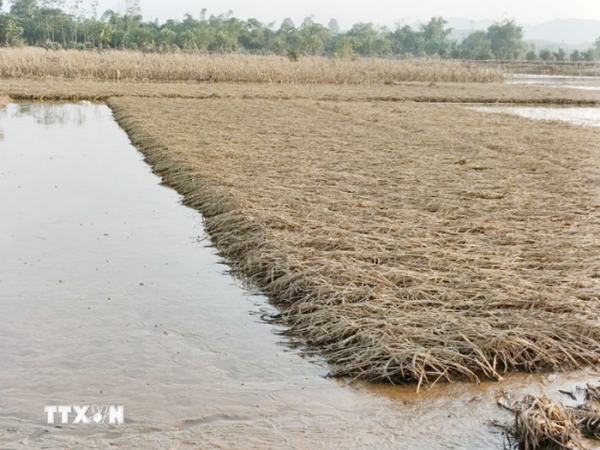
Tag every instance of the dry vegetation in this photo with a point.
(407, 241)
(75, 90)
(122, 65)
(543, 424)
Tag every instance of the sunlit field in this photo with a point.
(128, 65)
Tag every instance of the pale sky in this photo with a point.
(382, 12)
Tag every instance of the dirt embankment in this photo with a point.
(75, 90)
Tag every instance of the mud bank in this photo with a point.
(75, 90)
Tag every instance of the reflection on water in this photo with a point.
(55, 114)
(584, 88)
(52, 114)
(557, 81)
(552, 79)
(589, 117)
(111, 295)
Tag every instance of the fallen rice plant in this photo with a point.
(588, 413)
(406, 241)
(62, 89)
(541, 424)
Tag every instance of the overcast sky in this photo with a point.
(383, 12)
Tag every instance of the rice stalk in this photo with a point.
(120, 66)
(543, 424)
(405, 241)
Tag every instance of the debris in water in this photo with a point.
(542, 423)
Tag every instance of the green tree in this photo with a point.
(11, 33)
(345, 48)
(226, 31)
(368, 40)
(531, 55)
(74, 24)
(576, 56)
(560, 55)
(100, 33)
(435, 37)
(405, 41)
(594, 52)
(24, 9)
(477, 45)
(312, 37)
(589, 55)
(545, 55)
(334, 27)
(506, 40)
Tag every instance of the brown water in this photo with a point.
(558, 81)
(110, 294)
(589, 117)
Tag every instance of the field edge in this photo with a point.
(243, 243)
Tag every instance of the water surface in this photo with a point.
(589, 117)
(558, 81)
(110, 294)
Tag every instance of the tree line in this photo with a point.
(75, 24)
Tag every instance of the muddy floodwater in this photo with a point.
(111, 294)
(559, 81)
(589, 117)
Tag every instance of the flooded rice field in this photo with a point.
(111, 294)
(560, 81)
(589, 117)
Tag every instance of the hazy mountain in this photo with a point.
(554, 46)
(567, 33)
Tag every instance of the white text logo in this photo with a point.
(85, 414)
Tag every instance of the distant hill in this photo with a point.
(554, 46)
(567, 33)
